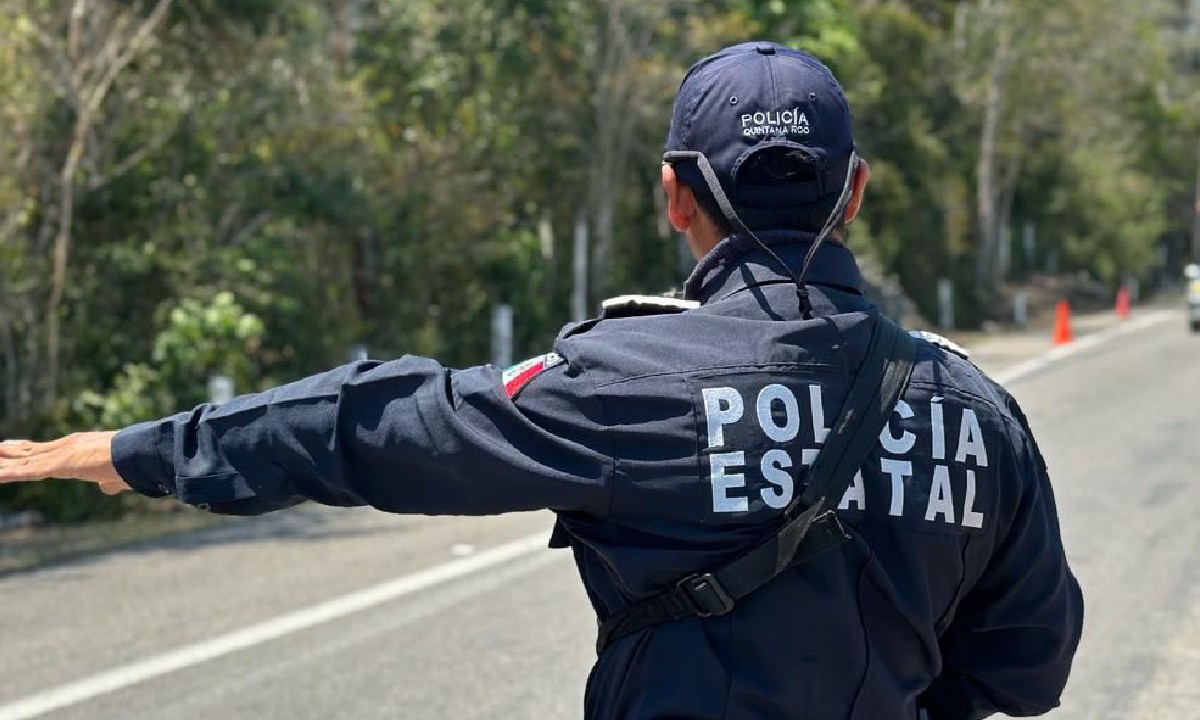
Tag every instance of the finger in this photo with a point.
(25, 448)
(14, 448)
(22, 469)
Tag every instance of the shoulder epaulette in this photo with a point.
(945, 344)
(635, 305)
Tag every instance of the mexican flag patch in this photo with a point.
(519, 375)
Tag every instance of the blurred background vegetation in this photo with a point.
(252, 187)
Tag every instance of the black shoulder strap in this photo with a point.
(809, 526)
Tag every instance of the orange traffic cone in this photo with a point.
(1062, 324)
(1123, 303)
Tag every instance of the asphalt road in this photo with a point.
(320, 613)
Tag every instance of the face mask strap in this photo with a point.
(838, 214)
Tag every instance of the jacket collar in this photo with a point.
(737, 263)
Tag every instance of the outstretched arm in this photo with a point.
(404, 436)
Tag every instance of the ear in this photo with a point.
(862, 176)
(681, 203)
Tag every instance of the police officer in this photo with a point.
(667, 434)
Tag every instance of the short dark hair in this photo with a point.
(772, 166)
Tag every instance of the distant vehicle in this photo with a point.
(1192, 272)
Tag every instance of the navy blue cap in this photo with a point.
(759, 95)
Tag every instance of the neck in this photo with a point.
(729, 249)
(735, 259)
(702, 237)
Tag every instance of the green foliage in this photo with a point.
(826, 28)
(200, 340)
(139, 392)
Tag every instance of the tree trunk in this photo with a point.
(1196, 217)
(62, 248)
(8, 346)
(626, 38)
(1007, 194)
(94, 67)
(988, 193)
(344, 19)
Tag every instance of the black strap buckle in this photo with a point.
(706, 595)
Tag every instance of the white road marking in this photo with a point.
(122, 677)
(1087, 342)
(189, 655)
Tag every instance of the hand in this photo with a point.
(81, 456)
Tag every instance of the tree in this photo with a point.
(100, 42)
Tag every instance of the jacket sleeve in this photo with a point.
(1011, 644)
(403, 436)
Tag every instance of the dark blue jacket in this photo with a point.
(665, 443)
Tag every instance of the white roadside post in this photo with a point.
(579, 310)
(502, 336)
(945, 304)
(1020, 309)
(220, 389)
